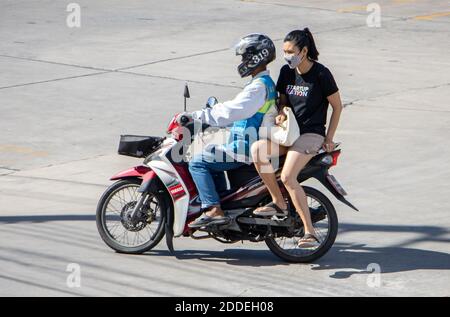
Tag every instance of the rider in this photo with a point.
(244, 114)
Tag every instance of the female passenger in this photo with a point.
(307, 87)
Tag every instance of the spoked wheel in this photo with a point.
(115, 225)
(325, 221)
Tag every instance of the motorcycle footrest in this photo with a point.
(265, 222)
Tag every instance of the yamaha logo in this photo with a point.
(177, 191)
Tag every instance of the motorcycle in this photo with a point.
(159, 198)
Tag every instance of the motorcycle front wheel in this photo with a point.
(122, 233)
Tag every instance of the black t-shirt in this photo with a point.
(307, 95)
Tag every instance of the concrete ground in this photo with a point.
(66, 94)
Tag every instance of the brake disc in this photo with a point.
(128, 223)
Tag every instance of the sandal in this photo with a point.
(275, 210)
(308, 241)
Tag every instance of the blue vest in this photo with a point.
(244, 132)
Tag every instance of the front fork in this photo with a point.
(144, 189)
(164, 175)
(134, 216)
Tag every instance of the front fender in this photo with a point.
(148, 176)
(150, 182)
(137, 171)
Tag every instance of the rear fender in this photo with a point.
(321, 174)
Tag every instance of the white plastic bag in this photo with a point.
(284, 134)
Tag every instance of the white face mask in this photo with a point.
(293, 60)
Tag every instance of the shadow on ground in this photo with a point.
(344, 259)
(45, 218)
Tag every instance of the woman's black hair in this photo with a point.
(302, 38)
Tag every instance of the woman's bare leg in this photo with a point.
(262, 150)
(294, 163)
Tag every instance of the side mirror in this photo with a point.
(211, 102)
(186, 95)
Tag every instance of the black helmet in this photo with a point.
(256, 50)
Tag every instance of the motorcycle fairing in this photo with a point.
(175, 186)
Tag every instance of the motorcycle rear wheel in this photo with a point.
(294, 254)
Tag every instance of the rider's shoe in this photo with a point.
(205, 220)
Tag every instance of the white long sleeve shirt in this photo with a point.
(243, 106)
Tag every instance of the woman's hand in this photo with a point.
(280, 119)
(328, 145)
(281, 116)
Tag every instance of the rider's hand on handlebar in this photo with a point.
(184, 118)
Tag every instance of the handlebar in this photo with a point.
(184, 120)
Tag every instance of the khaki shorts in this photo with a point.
(308, 143)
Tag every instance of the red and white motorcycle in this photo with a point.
(159, 198)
